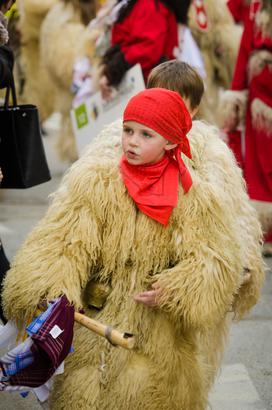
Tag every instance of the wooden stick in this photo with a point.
(116, 338)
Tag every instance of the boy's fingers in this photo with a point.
(146, 295)
(147, 298)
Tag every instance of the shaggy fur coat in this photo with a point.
(94, 232)
(63, 35)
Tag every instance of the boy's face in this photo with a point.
(142, 145)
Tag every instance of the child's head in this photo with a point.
(154, 121)
(180, 77)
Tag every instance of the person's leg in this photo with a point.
(4, 266)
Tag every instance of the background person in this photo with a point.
(6, 66)
(144, 32)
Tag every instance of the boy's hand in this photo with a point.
(149, 297)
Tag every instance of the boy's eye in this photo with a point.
(146, 134)
(127, 130)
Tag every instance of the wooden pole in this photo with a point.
(116, 338)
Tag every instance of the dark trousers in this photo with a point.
(4, 267)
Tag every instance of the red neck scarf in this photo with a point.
(154, 187)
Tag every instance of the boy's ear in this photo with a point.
(169, 146)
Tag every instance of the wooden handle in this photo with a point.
(125, 340)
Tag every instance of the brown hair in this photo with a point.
(180, 77)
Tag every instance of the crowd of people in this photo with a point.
(160, 219)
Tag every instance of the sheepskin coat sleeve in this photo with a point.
(58, 255)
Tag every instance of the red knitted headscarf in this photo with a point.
(154, 187)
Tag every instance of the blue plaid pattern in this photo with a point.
(22, 360)
(37, 323)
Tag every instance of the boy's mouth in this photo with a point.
(131, 154)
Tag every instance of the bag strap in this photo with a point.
(13, 92)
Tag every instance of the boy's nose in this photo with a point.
(133, 140)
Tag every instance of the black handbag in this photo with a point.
(22, 157)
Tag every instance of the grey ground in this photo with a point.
(245, 382)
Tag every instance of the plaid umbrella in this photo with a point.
(33, 363)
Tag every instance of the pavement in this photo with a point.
(234, 390)
(246, 377)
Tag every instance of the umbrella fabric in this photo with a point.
(51, 338)
(21, 356)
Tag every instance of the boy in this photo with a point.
(129, 224)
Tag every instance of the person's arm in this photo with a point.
(6, 66)
(199, 291)
(147, 38)
(147, 25)
(57, 257)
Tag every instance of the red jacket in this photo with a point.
(239, 10)
(147, 34)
